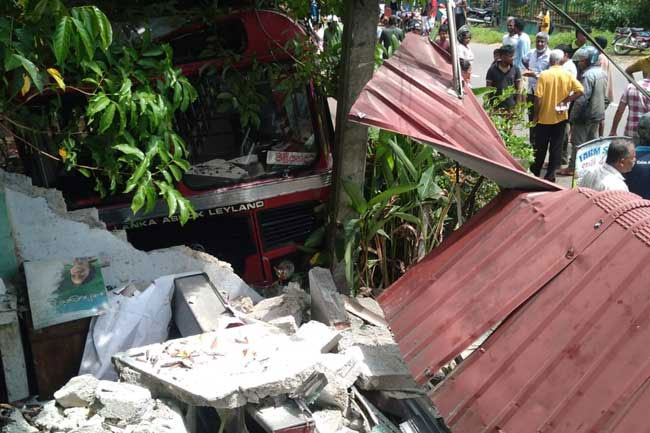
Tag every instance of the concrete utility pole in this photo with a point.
(357, 62)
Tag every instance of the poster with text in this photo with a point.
(590, 155)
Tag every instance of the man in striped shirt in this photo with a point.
(637, 105)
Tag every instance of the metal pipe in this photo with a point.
(598, 47)
(457, 80)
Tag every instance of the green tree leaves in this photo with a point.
(84, 38)
(120, 100)
(61, 40)
(87, 29)
(32, 70)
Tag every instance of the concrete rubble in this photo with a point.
(113, 408)
(78, 392)
(257, 363)
(269, 355)
(292, 303)
(326, 306)
(230, 369)
(328, 421)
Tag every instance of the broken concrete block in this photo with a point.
(341, 371)
(164, 416)
(52, 418)
(287, 324)
(78, 392)
(291, 303)
(77, 416)
(381, 367)
(362, 334)
(322, 337)
(17, 424)
(243, 304)
(371, 304)
(326, 305)
(248, 363)
(371, 314)
(328, 421)
(121, 401)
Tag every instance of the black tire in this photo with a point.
(619, 45)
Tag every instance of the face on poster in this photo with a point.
(64, 290)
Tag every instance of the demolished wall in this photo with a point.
(43, 229)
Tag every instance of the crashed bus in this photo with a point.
(257, 187)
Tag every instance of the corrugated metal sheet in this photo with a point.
(567, 271)
(411, 94)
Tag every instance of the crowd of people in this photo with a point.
(569, 88)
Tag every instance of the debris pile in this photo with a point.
(330, 374)
(88, 405)
(194, 348)
(259, 375)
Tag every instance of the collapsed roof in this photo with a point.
(564, 272)
(556, 275)
(412, 94)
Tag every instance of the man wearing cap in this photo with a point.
(637, 105)
(621, 157)
(555, 90)
(589, 109)
(503, 74)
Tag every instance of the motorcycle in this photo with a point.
(480, 16)
(631, 38)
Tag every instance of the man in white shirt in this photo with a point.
(511, 37)
(621, 158)
(535, 62)
(570, 67)
(567, 63)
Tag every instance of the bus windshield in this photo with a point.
(225, 150)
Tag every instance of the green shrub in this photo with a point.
(486, 35)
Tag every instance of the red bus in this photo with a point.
(257, 189)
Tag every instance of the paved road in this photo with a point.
(483, 59)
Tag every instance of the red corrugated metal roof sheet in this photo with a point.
(567, 272)
(411, 94)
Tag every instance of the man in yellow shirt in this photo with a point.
(556, 89)
(544, 20)
(642, 65)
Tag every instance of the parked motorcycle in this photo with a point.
(631, 38)
(480, 16)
